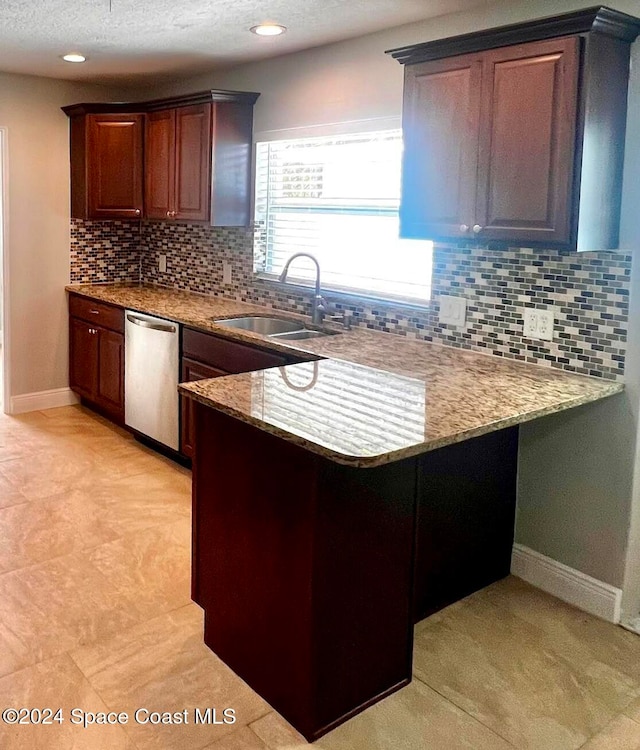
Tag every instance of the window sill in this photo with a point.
(345, 298)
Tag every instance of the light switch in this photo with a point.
(162, 263)
(453, 311)
(226, 272)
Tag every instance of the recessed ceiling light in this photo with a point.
(268, 29)
(74, 58)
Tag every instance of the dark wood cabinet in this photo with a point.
(83, 360)
(527, 136)
(205, 355)
(441, 134)
(178, 163)
(192, 191)
(521, 139)
(96, 355)
(489, 144)
(106, 166)
(192, 370)
(466, 499)
(197, 158)
(110, 391)
(159, 146)
(306, 571)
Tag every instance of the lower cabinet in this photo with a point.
(110, 391)
(205, 355)
(190, 371)
(96, 356)
(96, 361)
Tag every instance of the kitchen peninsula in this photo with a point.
(341, 499)
(336, 504)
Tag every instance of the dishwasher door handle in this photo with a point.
(154, 326)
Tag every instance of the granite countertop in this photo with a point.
(377, 398)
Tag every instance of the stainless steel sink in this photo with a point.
(307, 333)
(285, 330)
(265, 326)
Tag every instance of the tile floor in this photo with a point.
(95, 614)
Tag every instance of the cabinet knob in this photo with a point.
(173, 214)
(168, 214)
(138, 212)
(477, 228)
(464, 228)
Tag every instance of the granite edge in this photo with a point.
(411, 451)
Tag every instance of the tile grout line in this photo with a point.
(80, 550)
(460, 708)
(104, 702)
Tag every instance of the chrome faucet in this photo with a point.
(318, 304)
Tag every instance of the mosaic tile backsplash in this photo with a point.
(588, 292)
(105, 251)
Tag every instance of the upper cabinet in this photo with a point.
(192, 156)
(521, 139)
(178, 163)
(106, 166)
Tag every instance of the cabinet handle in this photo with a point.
(464, 227)
(138, 212)
(95, 312)
(477, 228)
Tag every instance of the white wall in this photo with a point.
(38, 226)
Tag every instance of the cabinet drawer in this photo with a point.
(227, 355)
(107, 316)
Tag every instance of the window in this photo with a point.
(338, 197)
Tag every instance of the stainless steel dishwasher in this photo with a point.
(152, 361)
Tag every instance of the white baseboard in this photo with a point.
(572, 586)
(42, 400)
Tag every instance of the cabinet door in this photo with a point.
(441, 130)
(193, 163)
(527, 143)
(160, 145)
(83, 358)
(110, 383)
(192, 370)
(114, 166)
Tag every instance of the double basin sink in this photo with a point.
(276, 328)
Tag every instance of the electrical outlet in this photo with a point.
(538, 324)
(453, 310)
(162, 263)
(226, 272)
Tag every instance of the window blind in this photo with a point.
(338, 197)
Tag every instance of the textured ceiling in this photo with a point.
(137, 38)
